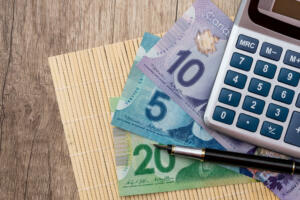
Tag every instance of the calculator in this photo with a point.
(256, 94)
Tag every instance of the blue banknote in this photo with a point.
(145, 110)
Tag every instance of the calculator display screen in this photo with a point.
(289, 8)
(287, 11)
(279, 19)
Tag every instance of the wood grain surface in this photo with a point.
(34, 158)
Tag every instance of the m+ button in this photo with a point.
(292, 58)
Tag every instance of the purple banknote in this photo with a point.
(184, 63)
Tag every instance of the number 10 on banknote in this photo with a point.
(184, 63)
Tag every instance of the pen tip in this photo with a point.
(165, 147)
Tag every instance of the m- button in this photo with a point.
(271, 51)
(246, 43)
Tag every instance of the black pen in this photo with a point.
(236, 159)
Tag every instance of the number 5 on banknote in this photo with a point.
(156, 100)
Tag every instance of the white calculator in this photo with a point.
(256, 95)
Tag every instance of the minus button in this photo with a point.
(271, 51)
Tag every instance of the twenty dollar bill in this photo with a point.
(142, 168)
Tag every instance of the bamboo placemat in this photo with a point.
(84, 81)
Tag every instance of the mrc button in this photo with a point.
(246, 43)
(292, 58)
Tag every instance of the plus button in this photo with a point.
(298, 130)
(293, 133)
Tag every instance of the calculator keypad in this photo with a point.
(230, 97)
(246, 43)
(278, 113)
(271, 130)
(259, 87)
(289, 77)
(247, 122)
(298, 102)
(270, 51)
(235, 79)
(292, 58)
(283, 95)
(241, 61)
(224, 115)
(263, 106)
(253, 105)
(293, 132)
(265, 69)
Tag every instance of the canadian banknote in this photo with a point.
(142, 168)
(184, 63)
(145, 110)
(285, 186)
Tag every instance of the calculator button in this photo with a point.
(271, 130)
(247, 122)
(270, 51)
(253, 105)
(246, 43)
(241, 61)
(283, 95)
(224, 115)
(298, 102)
(230, 97)
(265, 69)
(292, 58)
(259, 87)
(277, 112)
(289, 77)
(235, 79)
(293, 133)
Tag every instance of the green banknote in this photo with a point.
(142, 168)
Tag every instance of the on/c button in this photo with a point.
(246, 43)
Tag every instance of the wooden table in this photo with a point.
(34, 159)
